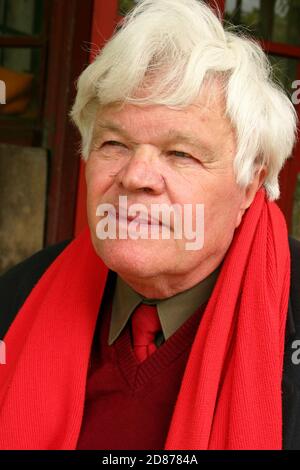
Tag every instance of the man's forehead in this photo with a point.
(116, 116)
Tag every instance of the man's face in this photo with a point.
(156, 155)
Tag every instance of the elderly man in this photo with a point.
(163, 325)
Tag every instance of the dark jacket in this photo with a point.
(16, 284)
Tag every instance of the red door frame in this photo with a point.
(104, 22)
(105, 18)
(70, 26)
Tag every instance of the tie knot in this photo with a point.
(145, 325)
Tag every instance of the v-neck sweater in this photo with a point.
(129, 405)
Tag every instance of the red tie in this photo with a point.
(145, 325)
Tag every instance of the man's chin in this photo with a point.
(131, 257)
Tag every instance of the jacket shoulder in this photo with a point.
(17, 283)
(291, 376)
(295, 278)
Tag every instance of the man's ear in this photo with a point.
(254, 186)
(251, 190)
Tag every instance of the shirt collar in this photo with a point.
(172, 312)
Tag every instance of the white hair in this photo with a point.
(183, 43)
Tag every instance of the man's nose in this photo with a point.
(142, 171)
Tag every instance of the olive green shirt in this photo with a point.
(172, 311)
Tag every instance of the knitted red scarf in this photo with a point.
(230, 397)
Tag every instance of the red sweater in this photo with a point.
(129, 405)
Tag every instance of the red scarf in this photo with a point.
(230, 397)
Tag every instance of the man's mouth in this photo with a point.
(142, 219)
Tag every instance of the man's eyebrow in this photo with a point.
(101, 126)
(171, 136)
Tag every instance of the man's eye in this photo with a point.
(114, 143)
(179, 154)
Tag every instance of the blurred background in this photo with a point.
(44, 46)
